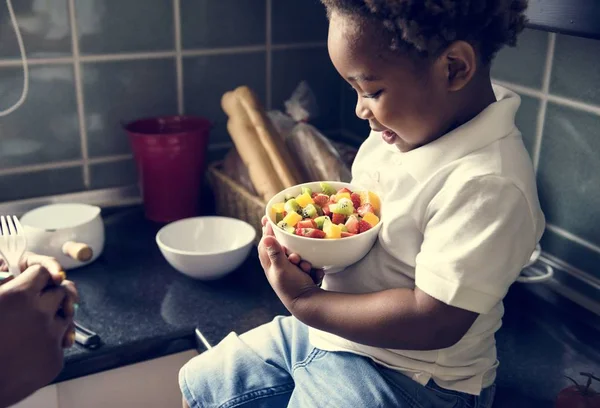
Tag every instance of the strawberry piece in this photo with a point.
(347, 234)
(352, 224)
(310, 232)
(333, 199)
(321, 199)
(338, 218)
(313, 195)
(363, 226)
(365, 208)
(344, 190)
(310, 223)
(355, 200)
(326, 210)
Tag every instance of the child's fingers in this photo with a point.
(294, 258)
(269, 230)
(317, 276)
(264, 220)
(305, 266)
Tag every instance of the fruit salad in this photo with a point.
(327, 214)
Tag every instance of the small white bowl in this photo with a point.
(329, 254)
(206, 248)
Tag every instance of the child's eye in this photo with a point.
(374, 95)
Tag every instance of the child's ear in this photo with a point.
(459, 62)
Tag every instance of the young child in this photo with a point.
(412, 324)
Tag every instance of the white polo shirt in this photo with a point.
(461, 218)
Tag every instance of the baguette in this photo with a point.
(282, 160)
(246, 140)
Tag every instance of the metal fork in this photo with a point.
(13, 243)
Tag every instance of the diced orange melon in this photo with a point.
(371, 218)
(370, 197)
(304, 199)
(339, 196)
(292, 219)
(279, 207)
(331, 230)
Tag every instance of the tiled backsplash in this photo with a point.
(95, 64)
(558, 79)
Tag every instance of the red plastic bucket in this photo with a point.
(170, 154)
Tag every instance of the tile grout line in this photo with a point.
(32, 168)
(63, 164)
(178, 55)
(79, 94)
(541, 119)
(572, 237)
(224, 51)
(296, 46)
(132, 56)
(269, 55)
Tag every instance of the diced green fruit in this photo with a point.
(306, 190)
(288, 197)
(344, 229)
(309, 211)
(344, 207)
(319, 210)
(284, 226)
(278, 217)
(327, 189)
(292, 206)
(320, 221)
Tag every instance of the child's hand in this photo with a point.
(290, 277)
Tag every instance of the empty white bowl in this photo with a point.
(206, 248)
(329, 254)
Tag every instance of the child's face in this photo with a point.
(401, 97)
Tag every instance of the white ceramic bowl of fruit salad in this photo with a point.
(329, 224)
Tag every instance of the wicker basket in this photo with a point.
(233, 200)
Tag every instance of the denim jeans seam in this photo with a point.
(410, 398)
(449, 393)
(257, 394)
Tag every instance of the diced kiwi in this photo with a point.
(288, 197)
(306, 190)
(320, 221)
(344, 228)
(309, 211)
(344, 207)
(278, 217)
(284, 226)
(319, 210)
(327, 189)
(292, 206)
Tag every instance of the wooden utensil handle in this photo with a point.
(78, 251)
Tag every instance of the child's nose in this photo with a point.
(362, 111)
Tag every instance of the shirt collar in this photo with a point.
(492, 124)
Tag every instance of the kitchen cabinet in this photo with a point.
(47, 397)
(150, 384)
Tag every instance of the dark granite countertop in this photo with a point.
(143, 309)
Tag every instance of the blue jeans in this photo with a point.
(274, 365)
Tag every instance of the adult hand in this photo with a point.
(36, 322)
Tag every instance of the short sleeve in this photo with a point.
(477, 236)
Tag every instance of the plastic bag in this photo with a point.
(318, 158)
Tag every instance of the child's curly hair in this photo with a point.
(428, 26)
